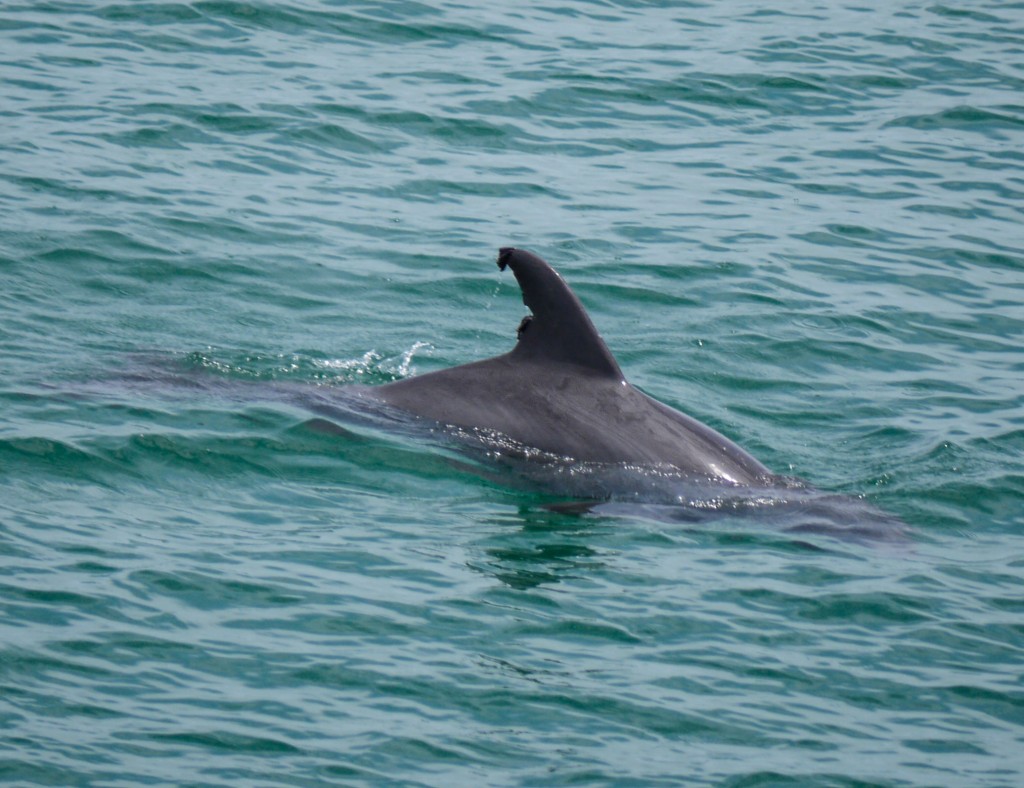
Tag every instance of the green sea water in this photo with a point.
(800, 223)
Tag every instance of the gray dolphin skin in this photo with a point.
(561, 391)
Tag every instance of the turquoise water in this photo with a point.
(800, 224)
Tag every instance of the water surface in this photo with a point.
(801, 225)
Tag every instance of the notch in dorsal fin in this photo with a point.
(560, 329)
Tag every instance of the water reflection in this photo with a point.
(539, 546)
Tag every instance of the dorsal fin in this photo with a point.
(560, 329)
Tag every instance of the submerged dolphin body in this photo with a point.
(561, 391)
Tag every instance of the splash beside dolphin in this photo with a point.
(561, 391)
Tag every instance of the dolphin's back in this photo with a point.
(560, 390)
(569, 413)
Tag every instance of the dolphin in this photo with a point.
(557, 413)
(561, 391)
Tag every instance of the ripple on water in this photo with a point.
(798, 224)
